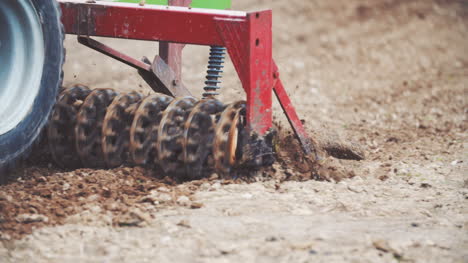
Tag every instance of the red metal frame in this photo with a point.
(247, 37)
(171, 53)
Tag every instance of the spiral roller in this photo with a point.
(184, 137)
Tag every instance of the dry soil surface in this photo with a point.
(388, 75)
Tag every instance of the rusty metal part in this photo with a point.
(144, 128)
(88, 128)
(159, 76)
(198, 137)
(226, 137)
(116, 128)
(169, 145)
(60, 130)
(233, 138)
(185, 137)
(162, 75)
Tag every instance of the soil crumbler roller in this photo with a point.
(169, 129)
(183, 136)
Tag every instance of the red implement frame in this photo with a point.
(247, 37)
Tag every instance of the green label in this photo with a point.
(210, 4)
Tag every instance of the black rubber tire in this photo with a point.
(16, 144)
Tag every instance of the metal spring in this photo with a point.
(215, 69)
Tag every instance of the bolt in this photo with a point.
(175, 82)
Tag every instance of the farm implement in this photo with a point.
(171, 129)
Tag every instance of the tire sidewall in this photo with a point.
(15, 143)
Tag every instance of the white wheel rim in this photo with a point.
(22, 61)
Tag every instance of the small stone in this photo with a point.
(196, 205)
(42, 179)
(31, 218)
(205, 187)
(134, 218)
(426, 185)
(65, 186)
(426, 213)
(128, 221)
(302, 245)
(298, 64)
(165, 239)
(95, 209)
(5, 197)
(4, 236)
(354, 189)
(163, 189)
(164, 198)
(247, 196)
(183, 200)
(113, 206)
(384, 246)
(149, 199)
(92, 198)
(226, 248)
(216, 185)
(141, 215)
(214, 176)
(106, 192)
(184, 223)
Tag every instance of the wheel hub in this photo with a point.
(22, 56)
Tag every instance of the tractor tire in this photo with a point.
(32, 55)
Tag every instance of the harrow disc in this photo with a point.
(60, 131)
(198, 136)
(88, 129)
(116, 128)
(170, 135)
(144, 128)
(225, 150)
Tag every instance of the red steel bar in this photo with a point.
(171, 53)
(149, 22)
(291, 114)
(108, 51)
(249, 43)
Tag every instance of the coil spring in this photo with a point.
(215, 69)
